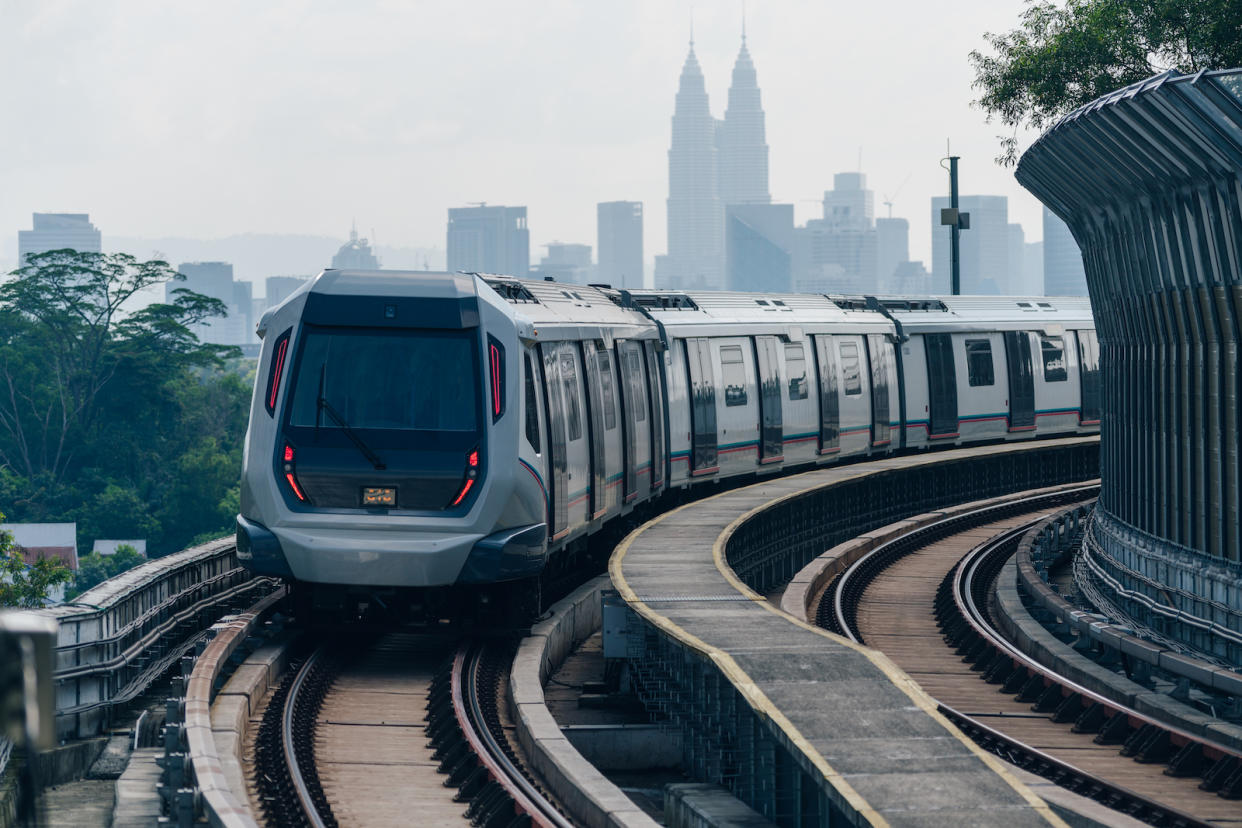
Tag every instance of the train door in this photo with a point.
(941, 386)
(801, 431)
(530, 422)
(855, 399)
(829, 401)
(577, 459)
(880, 352)
(1089, 377)
(597, 502)
(637, 418)
(771, 419)
(558, 462)
(655, 388)
(703, 456)
(1021, 381)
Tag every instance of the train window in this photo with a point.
(635, 371)
(605, 384)
(849, 369)
(1053, 348)
(734, 374)
(795, 366)
(1089, 374)
(979, 362)
(573, 406)
(532, 408)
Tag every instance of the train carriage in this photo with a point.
(435, 443)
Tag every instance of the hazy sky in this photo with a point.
(209, 119)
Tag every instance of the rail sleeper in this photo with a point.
(802, 725)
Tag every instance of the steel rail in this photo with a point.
(847, 589)
(297, 774)
(468, 707)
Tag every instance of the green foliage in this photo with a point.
(1065, 55)
(27, 586)
(94, 569)
(126, 424)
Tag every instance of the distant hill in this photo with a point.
(255, 256)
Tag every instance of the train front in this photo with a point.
(380, 457)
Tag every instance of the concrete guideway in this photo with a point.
(853, 736)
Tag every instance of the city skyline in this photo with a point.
(602, 133)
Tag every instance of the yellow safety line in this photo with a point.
(757, 699)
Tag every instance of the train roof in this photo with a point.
(431, 284)
(691, 312)
(548, 305)
(947, 313)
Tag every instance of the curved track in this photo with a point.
(895, 597)
(366, 738)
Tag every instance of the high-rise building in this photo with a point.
(1033, 268)
(355, 254)
(569, 263)
(984, 247)
(242, 307)
(213, 279)
(620, 240)
(742, 148)
(695, 217)
(1063, 269)
(1015, 284)
(892, 249)
(849, 205)
(58, 231)
(487, 239)
(278, 288)
(759, 243)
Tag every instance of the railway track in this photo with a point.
(925, 600)
(405, 729)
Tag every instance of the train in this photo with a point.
(433, 444)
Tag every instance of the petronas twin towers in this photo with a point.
(711, 164)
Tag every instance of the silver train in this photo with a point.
(437, 440)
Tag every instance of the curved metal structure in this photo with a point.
(1148, 180)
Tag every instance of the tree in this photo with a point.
(94, 569)
(1064, 56)
(63, 339)
(27, 585)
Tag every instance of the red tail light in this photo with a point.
(494, 353)
(293, 482)
(472, 473)
(278, 368)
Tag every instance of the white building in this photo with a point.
(57, 231)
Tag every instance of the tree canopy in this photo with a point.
(121, 421)
(1064, 55)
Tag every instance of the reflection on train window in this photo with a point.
(417, 381)
(1053, 348)
(979, 362)
(734, 374)
(569, 376)
(532, 408)
(634, 365)
(605, 384)
(795, 368)
(849, 369)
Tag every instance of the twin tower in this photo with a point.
(712, 164)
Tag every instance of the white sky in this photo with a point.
(291, 116)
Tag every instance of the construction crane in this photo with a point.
(888, 199)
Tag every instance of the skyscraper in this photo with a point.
(892, 249)
(620, 240)
(695, 217)
(1015, 283)
(840, 252)
(57, 231)
(1063, 270)
(487, 239)
(213, 279)
(849, 205)
(355, 254)
(742, 149)
(568, 263)
(759, 243)
(984, 247)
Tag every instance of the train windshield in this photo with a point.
(391, 380)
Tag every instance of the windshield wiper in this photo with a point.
(351, 434)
